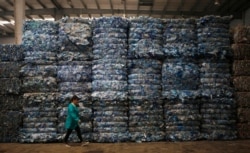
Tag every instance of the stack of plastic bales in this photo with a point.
(39, 81)
(180, 80)
(241, 70)
(11, 57)
(74, 73)
(109, 73)
(218, 110)
(144, 80)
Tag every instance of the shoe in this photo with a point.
(84, 143)
(67, 145)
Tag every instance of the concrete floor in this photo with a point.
(236, 146)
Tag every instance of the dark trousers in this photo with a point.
(69, 131)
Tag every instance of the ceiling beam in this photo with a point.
(50, 11)
(165, 9)
(30, 7)
(69, 2)
(151, 7)
(111, 6)
(39, 1)
(85, 7)
(57, 5)
(98, 6)
(138, 9)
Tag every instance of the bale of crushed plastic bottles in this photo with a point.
(213, 37)
(39, 117)
(109, 80)
(145, 38)
(180, 38)
(39, 83)
(11, 121)
(11, 53)
(218, 109)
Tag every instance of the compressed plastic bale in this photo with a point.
(78, 33)
(10, 86)
(206, 20)
(110, 22)
(110, 118)
(217, 92)
(174, 35)
(77, 55)
(241, 67)
(39, 84)
(147, 136)
(139, 124)
(180, 50)
(11, 102)
(109, 53)
(74, 73)
(217, 50)
(10, 69)
(40, 27)
(10, 127)
(110, 113)
(109, 95)
(40, 99)
(180, 75)
(145, 63)
(40, 42)
(108, 66)
(145, 33)
(182, 94)
(218, 116)
(37, 137)
(11, 53)
(112, 108)
(30, 70)
(182, 135)
(39, 57)
(241, 34)
(39, 119)
(110, 129)
(219, 135)
(111, 137)
(74, 86)
(242, 99)
(241, 51)
(241, 83)
(110, 103)
(39, 125)
(182, 128)
(109, 77)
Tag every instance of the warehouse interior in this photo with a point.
(144, 70)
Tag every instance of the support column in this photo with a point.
(19, 19)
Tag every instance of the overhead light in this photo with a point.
(217, 3)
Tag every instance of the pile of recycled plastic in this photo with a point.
(145, 106)
(241, 72)
(40, 42)
(109, 84)
(180, 80)
(218, 108)
(74, 73)
(145, 38)
(180, 38)
(11, 57)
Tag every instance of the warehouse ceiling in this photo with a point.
(55, 9)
